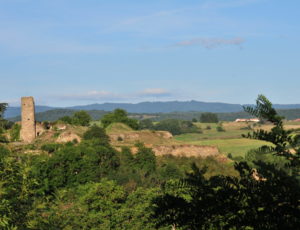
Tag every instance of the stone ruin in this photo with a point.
(28, 125)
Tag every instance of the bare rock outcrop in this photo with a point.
(186, 150)
(67, 137)
(137, 136)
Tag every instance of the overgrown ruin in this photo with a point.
(28, 130)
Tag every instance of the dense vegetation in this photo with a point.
(79, 118)
(91, 185)
(119, 116)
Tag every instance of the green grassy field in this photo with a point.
(230, 141)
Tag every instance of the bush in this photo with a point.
(50, 148)
(96, 132)
(15, 132)
(220, 128)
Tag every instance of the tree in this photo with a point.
(3, 107)
(177, 127)
(145, 159)
(119, 115)
(266, 197)
(81, 118)
(72, 165)
(146, 124)
(209, 118)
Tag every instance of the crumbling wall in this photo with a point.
(28, 129)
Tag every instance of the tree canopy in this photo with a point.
(121, 116)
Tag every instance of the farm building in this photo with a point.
(247, 120)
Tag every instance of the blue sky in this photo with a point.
(72, 52)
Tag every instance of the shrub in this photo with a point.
(96, 132)
(220, 128)
(15, 132)
(3, 139)
(51, 147)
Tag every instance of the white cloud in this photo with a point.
(157, 92)
(95, 95)
(211, 43)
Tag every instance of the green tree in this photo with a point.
(177, 127)
(66, 119)
(119, 115)
(145, 159)
(81, 118)
(72, 165)
(146, 124)
(209, 118)
(3, 107)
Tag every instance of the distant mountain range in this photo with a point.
(151, 107)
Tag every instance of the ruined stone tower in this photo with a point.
(28, 132)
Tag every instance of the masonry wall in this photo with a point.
(28, 130)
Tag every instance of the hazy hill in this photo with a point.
(53, 115)
(149, 107)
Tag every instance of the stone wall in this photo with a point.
(28, 130)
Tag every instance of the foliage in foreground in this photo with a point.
(266, 197)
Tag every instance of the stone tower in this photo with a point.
(28, 132)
